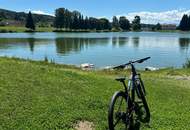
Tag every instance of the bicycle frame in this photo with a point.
(131, 86)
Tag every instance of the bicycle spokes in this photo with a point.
(119, 111)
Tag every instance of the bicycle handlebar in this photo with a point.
(131, 62)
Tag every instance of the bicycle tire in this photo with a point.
(140, 83)
(145, 104)
(112, 107)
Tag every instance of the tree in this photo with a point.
(104, 24)
(81, 21)
(59, 21)
(115, 23)
(184, 23)
(76, 21)
(92, 23)
(124, 23)
(86, 23)
(67, 20)
(2, 15)
(136, 23)
(188, 23)
(30, 22)
(158, 26)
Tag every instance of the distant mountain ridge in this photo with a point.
(14, 18)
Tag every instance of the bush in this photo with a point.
(187, 64)
(45, 59)
(29, 31)
(116, 29)
(3, 31)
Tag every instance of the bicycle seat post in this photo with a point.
(124, 85)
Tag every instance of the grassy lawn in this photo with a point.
(23, 29)
(4, 29)
(37, 95)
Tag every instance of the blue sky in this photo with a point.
(103, 8)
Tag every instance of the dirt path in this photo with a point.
(180, 77)
(84, 125)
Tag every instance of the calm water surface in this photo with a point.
(100, 49)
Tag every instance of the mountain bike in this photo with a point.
(130, 105)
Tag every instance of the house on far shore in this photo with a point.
(169, 26)
(147, 27)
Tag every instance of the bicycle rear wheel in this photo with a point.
(119, 117)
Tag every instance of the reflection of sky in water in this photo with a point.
(101, 49)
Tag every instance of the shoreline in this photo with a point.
(78, 67)
(13, 29)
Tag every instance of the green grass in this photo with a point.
(39, 95)
(23, 29)
(5, 29)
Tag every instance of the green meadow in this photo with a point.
(40, 95)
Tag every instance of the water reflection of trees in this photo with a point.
(114, 41)
(6, 43)
(67, 45)
(184, 43)
(121, 41)
(31, 42)
(135, 41)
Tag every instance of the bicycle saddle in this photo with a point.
(121, 79)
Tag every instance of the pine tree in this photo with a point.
(86, 23)
(184, 23)
(188, 23)
(67, 21)
(30, 22)
(115, 22)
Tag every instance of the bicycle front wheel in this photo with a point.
(143, 112)
(119, 117)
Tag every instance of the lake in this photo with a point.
(100, 49)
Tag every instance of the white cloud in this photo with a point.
(170, 17)
(38, 12)
(41, 12)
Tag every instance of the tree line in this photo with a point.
(75, 20)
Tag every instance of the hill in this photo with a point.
(8, 17)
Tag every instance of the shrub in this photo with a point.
(45, 59)
(187, 64)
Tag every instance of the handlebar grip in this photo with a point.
(142, 60)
